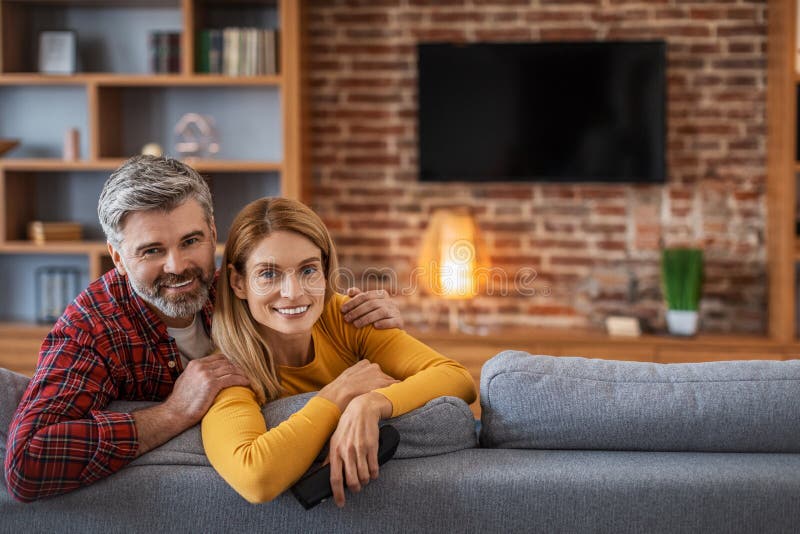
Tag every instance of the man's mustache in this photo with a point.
(171, 279)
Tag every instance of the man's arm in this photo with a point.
(61, 439)
(371, 308)
(192, 396)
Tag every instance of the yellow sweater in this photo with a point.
(261, 464)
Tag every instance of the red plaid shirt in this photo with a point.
(108, 345)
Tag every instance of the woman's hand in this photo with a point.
(356, 380)
(354, 445)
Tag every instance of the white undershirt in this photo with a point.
(192, 340)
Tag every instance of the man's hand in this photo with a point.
(354, 445)
(372, 307)
(191, 397)
(199, 384)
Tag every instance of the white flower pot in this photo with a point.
(682, 322)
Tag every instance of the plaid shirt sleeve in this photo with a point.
(60, 438)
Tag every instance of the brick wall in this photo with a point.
(594, 248)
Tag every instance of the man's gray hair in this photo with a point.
(145, 183)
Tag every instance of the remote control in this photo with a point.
(315, 487)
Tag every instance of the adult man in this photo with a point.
(140, 332)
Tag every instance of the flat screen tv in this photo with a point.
(546, 111)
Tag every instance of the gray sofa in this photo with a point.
(566, 445)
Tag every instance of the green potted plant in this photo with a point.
(681, 280)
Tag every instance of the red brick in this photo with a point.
(611, 245)
(452, 17)
(554, 16)
(507, 243)
(361, 82)
(742, 48)
(382, 65)
(511, 34)
(436, 3)
(374, 98)
(587, 3)
(387, 159)
(422, 34)
(370, 19)
(506, 17)
(378, 129)
(516, 193)
(594, 228)
(557, 243)
(378, 225)
(610, 210)
(755, 30)
(372, 33)
(569, 261)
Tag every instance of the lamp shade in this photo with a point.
(451, 255)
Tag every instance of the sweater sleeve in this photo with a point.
(261, 464)
(424, 373)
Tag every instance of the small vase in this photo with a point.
(682, 322)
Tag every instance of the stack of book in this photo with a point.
(237, 52)
(43, 232)
(165, 52)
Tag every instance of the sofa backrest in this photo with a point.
(546, 402)
(443, 425)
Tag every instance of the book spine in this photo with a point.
(163, 52)
(153, 44)
(260, 61)
(252, 46)
(203, 58)
(174, 53)
(215, 52)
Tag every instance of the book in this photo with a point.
(237, 51)
(203, 55)
(44, 232)
(215, 52)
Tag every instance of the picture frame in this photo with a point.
(58, 51)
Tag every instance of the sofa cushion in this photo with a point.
(442, 425)
(12, 386)
(545, 402)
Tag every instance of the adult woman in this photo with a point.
(277, 318)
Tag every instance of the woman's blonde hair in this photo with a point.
(233, 328)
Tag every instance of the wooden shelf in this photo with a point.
(139, 80)
(110, 164)
(58, 165)
(54, 247)
(65, 247)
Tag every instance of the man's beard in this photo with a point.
(179, 306)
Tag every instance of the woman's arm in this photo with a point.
(424, 374)
(261, 464)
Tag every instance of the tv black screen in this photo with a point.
(546, 111)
